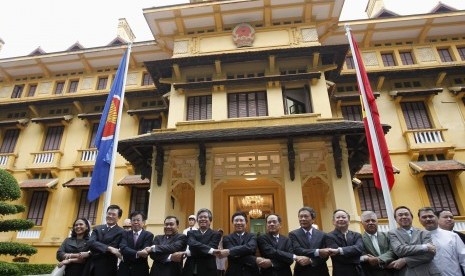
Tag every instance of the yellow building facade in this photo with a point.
(240, 105)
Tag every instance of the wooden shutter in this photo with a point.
(9, 141)
(93, 135)
(352, 112)
(139, 199)
(251, 104)
(440, 193)
(53, 138)
(371, 199)
(199, 108)
(37, 207)
(415, 114)
(87, 209)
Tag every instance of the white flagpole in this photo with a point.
(374, 139)
(107, 200)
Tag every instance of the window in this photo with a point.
(102, 83)
(59, 87)
(53, 138)
(147, 79)
(352, 112)
(9, 141)
(147, 125)
(87, 209)
(350, 62)
(297, 101)
(388, 59)
(139, 200)
(73, 85)
(461, 51)
(406, 58)
(440, 193)
(37, 207)
(32, 90)
(371, 199)
(247, 104)
(93, 135)
(416, 116)
(445, 56)
(17, 91)
(199, 108)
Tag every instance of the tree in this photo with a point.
(9, 191)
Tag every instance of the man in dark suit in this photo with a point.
(132, 247)
(310, 243)
(377, 252)
(240, 249)
(346, 246)
(446, 221)
(167, 250)
(104, 242)
(202, 242)
(275, 250)
(413, 246)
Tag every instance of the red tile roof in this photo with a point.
(133, 180)
(77, 182)
(437, 166)
(38, 183)
(368, 170)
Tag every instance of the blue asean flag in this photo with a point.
(104, 139)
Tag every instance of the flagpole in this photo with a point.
(374, 140)
(108, 192)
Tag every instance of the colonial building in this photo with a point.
(253, 106)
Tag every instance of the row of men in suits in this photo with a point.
(403, 251)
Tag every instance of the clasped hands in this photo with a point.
(74, 258)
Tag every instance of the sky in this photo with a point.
(55, 25)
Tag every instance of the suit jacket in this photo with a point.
(101, 262)
(241, 259)
(163, 248)
(303, 247)
(200, 261)
(386, 256)
(131, 265)
(347, 264)
(280, 254)
(419, 261)
(71, 245)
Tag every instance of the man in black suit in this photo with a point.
(104, 243)
(346, 246)
(275, 250)
(446, 221)
(310, 243)
(167, 250)
(240, 249)
(132, 247)
(202, 242)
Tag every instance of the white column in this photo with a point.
(274, 97)
(203, 192)
(320, 99)
(293, 191)
(178, 102)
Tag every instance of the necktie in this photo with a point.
(277, 239)
(240, 239)
(374, 241)
(309, 236)
(190, 229)
(136, 235)
(410, 233)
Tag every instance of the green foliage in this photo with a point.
(15, 225)
(7, 269)
(15, 249)
(10, 209)
(34, 269)
(9, 188)
(20, 208)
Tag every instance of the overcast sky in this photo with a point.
(55, 25)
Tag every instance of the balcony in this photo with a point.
(85, 158)
(427, 139)
(44, 160)
(7, 160)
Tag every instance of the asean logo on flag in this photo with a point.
(110, 124)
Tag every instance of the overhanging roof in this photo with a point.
(78, 182)
(367, 170)
(437, 166)
(39, 183)
(134, 180)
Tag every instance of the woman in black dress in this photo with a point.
(74, 251)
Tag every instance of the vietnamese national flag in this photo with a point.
(386, 159)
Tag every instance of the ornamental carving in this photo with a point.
(370, 59)
(309, 35)
(425, 54)
(243, 35)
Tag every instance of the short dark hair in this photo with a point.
(427, 209)
(205, 210)
(440, 211)
(239, 213)
(171, 217)
(402, 207)
(279, 218)
(340, 210)
(135, 213)
(86, 233)
(114, 206)
(310, 210)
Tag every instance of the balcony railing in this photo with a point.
(427, 138)
(7, 160)
(46, 159)
(88, 155)
(28, 234)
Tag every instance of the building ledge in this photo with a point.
(437, 166)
